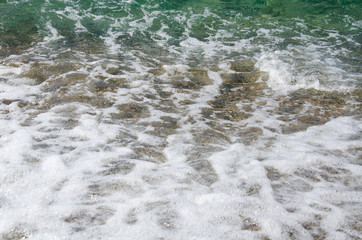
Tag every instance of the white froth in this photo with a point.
(54, 33)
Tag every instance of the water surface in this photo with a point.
(219, 119)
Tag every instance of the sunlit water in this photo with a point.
(219, 119)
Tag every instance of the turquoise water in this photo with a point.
(218, 119)
(147, 25)
(301, 31)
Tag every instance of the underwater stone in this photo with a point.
(118, 167)
(17, 233)
(308, 174)
(64, 81)
(254, 189)
(149, 153)
(211, 136)
(163, 128)
(62, 96)
(272, 173)
(167, 219)
(251, 225)
(242, 66)
(131, 217)
(157, 71)
(233, 114)
(249, 135)
(206, 173)
(235, 78)
(293, 128)
(199, 76)
(183, 83)
(114, 71)
(164, 94)
(42, 71)
(85, 218)
(131, 110)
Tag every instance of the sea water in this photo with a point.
(218, 119)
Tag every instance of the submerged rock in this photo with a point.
(249, 135)
(199, 76)
(272, 173)
(232, 114)
(206, 174)
(294, 127)
(131, 110)
(118, 167)
(251, 225)
(235, 79)
(192, 79)
(42, 71)
(82, 219)
(157, 71)
(167, 127)
(149, 153)
(62, 96)
(184, 83)
(108, 85)
(65, 81)
(239, 87)
(211, 136)
(243, 66)
(310, 107)
(17, 233)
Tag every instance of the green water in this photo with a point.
(22, 21)
(331, 28)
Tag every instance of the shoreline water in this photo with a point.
(172, 121)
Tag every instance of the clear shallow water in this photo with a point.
(180, 120)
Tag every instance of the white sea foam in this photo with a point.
(164, 200)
